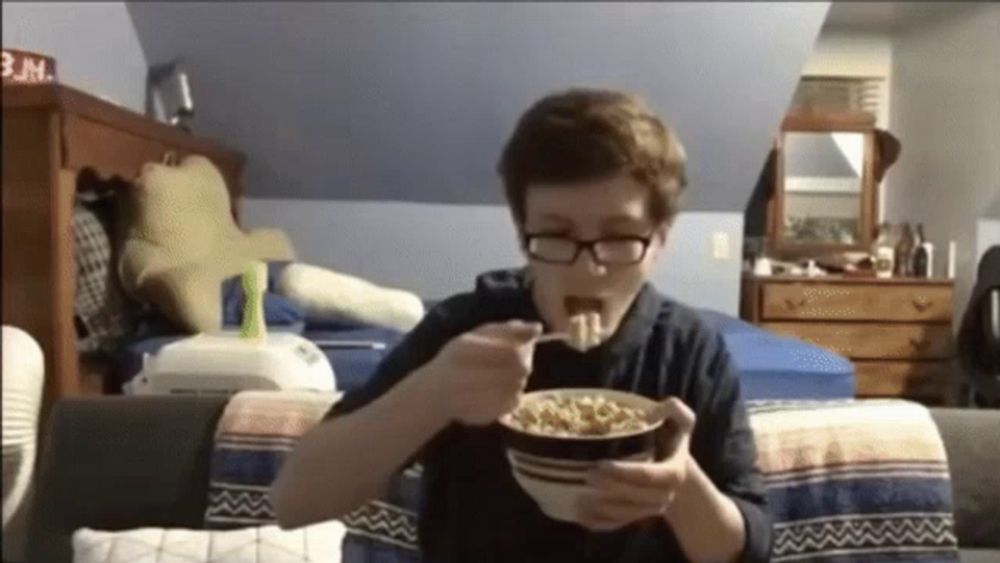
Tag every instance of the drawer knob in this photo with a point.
(920, 345)
(921, 305)
(792, 305)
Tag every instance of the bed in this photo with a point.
(770, 367)
(774, 367)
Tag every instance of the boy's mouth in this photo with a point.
(576, 305)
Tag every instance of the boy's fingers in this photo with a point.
(678, 423)
(675, 411)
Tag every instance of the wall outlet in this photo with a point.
(720, 246)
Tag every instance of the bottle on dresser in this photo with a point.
(883, 252)
(904, 252)
(923, 255)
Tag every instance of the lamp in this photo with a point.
(168, 89)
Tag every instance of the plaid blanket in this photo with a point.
(847, 480)
(855, 481)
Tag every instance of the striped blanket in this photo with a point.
(855, 481)
(847, 480)
(256, 432)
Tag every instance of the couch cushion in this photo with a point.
(979, 555)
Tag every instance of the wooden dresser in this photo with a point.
(897, 332)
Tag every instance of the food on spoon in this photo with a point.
(585, 331)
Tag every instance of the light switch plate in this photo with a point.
(720, 246)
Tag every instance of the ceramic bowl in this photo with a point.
(552, 470)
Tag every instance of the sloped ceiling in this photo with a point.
(412, 101)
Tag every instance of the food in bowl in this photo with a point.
(579, 415)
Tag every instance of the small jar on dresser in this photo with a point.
(896, 331)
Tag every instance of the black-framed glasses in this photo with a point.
(609, 251)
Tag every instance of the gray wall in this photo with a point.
(94, 44)
(365, 104)
(436, 250)
(373, 129)
(946, 113)
(412, 101)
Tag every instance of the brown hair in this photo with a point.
(586, 134)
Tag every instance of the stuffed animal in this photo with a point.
(181, 243)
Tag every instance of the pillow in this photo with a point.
(182, 242)
(328, 296)
(319, 543)
(278, 310)
(99, 306)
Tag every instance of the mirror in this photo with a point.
(823, 173)
(825, 197)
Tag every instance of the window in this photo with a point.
(827, 94)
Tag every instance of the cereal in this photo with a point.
(577, 416)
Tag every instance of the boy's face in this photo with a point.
(613, 210)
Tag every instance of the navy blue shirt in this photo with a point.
(474, 510)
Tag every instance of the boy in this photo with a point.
(593, 179)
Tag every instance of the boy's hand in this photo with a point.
(621, 492)
(481, 373)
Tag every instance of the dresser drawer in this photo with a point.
(874, 341)
(902, 379)
(794, 301)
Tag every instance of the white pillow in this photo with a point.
(319, 543)
(328, 295)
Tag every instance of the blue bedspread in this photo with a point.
(773, 367)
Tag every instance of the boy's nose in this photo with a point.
(589, 262)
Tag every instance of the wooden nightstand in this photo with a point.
(897, 332)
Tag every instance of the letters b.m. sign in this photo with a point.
(23, 67)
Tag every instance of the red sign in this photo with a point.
(23, 67)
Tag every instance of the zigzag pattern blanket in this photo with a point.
(847, 480)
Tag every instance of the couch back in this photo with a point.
(118, 462)
(972, 439)
(125, 462)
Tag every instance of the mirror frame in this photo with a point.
(855, 122)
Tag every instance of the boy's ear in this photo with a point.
(661, 232)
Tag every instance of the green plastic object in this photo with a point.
(254, 282)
